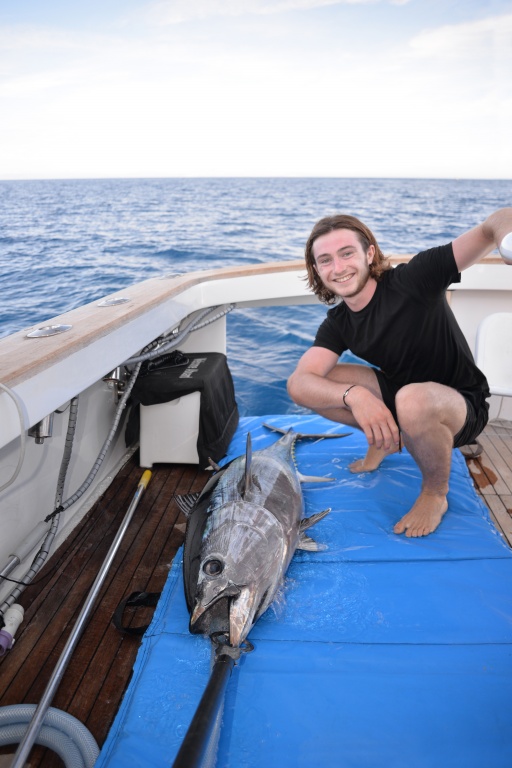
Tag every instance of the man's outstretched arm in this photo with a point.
(472, 246)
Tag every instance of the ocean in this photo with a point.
(70, 242)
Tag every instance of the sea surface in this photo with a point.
(67, 243)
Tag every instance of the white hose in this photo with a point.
(17, 402)
(62, 733)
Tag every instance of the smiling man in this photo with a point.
(424, 388)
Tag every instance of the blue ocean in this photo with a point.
(66, 243)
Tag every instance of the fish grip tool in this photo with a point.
(199, 747)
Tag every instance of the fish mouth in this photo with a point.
(241, 615)
(202, 605)
(242, 610)
(199, 609)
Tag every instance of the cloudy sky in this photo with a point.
(157, 88)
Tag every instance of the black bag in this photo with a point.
(207, 373)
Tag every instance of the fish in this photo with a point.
(242, 531)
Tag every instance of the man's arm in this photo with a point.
(319, 383)
(481, 240)
(308, 385)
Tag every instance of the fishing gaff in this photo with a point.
(202, 735)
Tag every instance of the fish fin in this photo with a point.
(186, 502)
(303, 436)
(275, 429)
(308, 522)
(248, 462)
(312, 479)
(309, 544)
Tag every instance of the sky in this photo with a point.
(201, 88)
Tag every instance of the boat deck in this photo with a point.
(492, 474)
(99, 672)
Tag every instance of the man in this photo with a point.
(425, 388)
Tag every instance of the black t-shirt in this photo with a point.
(408, 329)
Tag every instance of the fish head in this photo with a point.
(241, 560)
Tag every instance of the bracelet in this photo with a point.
(345, 394)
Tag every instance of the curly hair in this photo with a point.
(379, 265)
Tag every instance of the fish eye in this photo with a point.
(213, 567)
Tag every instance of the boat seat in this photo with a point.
(494, 352)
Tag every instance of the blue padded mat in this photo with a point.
(382, 651)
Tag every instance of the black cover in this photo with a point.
(209, 374)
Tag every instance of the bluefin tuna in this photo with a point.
(242, 532)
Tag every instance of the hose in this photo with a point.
(17, 402)
(44, 550)
(55, 515)
(68, 447)
(193, 324)
(62, 733)
(106, 445)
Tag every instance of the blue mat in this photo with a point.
(383, 651)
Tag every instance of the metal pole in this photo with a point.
(35, 724)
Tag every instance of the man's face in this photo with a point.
(341, 262)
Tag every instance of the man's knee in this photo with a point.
(415, 403)
(424, 405)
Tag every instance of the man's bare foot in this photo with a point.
(424, 517)
(372, 460)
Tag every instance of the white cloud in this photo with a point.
(178, 11)
(278, 100)
(466, 62)
(469, 39)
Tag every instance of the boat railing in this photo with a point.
(103, 334)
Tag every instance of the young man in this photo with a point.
(425, 388)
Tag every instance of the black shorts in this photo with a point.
(476, 419)
(476, 403)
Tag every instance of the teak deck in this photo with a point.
(492, 474)
(100, 669)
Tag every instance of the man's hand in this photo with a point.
(373, 417)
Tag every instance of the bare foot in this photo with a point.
(424, 517)
(372, 460)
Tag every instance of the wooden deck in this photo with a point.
(492, 474)
(99, 672)
(96, 678)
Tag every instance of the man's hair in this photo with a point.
(379, 265)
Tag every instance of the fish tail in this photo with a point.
(305, 435)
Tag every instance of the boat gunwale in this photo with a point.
(91, 322)
(22, 358)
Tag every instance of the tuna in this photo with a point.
(242, 532)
